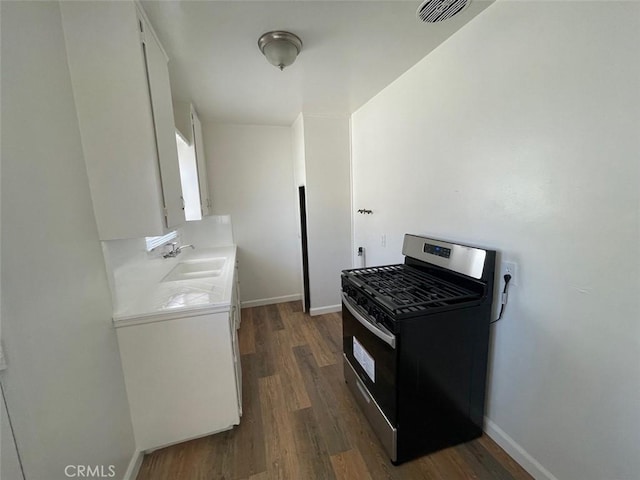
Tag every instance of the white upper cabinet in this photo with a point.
(190, 128)
(121, 88)
(162, 108)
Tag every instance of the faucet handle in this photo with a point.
(172, 252)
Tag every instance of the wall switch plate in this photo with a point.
(510, 268)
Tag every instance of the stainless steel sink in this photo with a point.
(192, 269)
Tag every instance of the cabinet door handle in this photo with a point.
(377, 330)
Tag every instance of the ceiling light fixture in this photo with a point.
(280, 48)
(431, 11)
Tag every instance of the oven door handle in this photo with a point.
(387, 338)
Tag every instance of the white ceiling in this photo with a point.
(351, 51)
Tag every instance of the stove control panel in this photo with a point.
(443, 252)
(469, 261)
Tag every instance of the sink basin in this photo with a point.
(192, 269)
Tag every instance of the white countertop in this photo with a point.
(145, 298)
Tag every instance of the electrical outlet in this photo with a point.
(510, 268)
(383, 240)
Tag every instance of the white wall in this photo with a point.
(297, 132)
(251, 178)
(211, 231)
(9, 462)
(521, 133)
(3, 422)
(299, 180)
(64, 384)
(327, 163)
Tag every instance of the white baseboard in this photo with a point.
(134, 466)
(519, 454)
(270, 301)
(323, 310)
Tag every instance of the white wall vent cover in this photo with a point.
(438, 10)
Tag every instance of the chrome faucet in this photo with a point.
(175, 250)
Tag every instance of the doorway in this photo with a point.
(306, 300)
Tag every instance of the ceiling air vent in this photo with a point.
(438, 10)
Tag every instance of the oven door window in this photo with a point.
(373, 360)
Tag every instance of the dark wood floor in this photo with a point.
(300, 421)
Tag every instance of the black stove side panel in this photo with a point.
(442, 378)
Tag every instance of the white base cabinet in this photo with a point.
(183, 377)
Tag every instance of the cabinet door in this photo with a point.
(233, 325)
(180, 378)
(201, 161)
(162, 111)
(111, 94)
(238, 371)
(237, 296)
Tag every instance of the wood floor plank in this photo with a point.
(457, 467)
(263, 338)
(317, 343)
(323, 401)
(428, 468)
(295, 392)
(274, 320)
(503, 458)
(349, 465)
(221, 460)
(332, 336)
(481, 461)
(249, 454)
(246, 337)
(176, 461)
(295, 306)
(292, 322)
(259, 476)
(278, 429)
(311, 447)
(300, 420)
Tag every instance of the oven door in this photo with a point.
(370, 351)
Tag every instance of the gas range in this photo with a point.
(415, 338)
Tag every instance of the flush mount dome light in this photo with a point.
(431, 11)
(280, 48)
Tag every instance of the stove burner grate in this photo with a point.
(403, 289)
